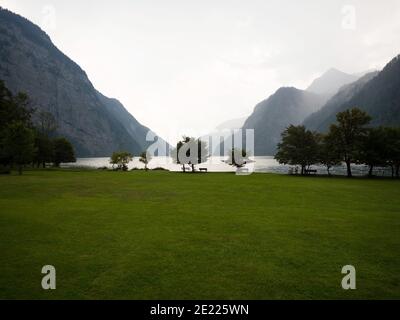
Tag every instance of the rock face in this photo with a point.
(376, 93)
(95, 124)
(271, 117)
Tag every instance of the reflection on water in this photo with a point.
(215, 164)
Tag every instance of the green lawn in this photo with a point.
(161, 235)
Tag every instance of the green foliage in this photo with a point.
(392, 138)
(372, 150)
(121, 160)
(145, 158)
(63, 151)
(44, 149)
(16, 135)
(348, 134)
(349, 141)
(18, 144)
(298, 147)
(328, 154)
(13, 108)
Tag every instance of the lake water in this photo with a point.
(215, 164)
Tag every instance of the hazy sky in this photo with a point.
(186, 66)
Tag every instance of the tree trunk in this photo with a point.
(19, 169)
(371, 169)
(348, 165)
(192, 168)
(328, 168)
(183, 168)
(303, 170)
(44, 164)
(397, 170)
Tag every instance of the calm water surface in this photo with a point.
(215, 164)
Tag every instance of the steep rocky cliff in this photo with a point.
(95, 124)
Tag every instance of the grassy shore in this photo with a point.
(162, 235)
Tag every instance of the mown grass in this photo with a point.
(162, 235)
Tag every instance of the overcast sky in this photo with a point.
(186, 66)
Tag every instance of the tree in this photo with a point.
(18, 144)
(373, 149)
(45, 129)
(298, 147)
(392, 137)
(237, 158)
(348, 133)
(13, 109)
(44, 149)
(145, 157)
(328, 155)
(190, 151)
(63, 151)
(47, 124)
(121, 159)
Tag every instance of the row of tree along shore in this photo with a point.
(23, 143)
(348, 141)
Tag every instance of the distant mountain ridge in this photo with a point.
(95, 124)
(377, 93)
(270, 117)
(330, 82)
(323, 118)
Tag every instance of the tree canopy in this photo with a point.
(121, 160)
(190, 151)
(299, 146)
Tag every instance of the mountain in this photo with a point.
(330, 82)
(376, 93)
(231, 124)
(270, 117)
(31, 63)
(322, 119)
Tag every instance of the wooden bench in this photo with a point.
(311, 171)
(203, 169)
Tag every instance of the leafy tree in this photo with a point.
(63, 151)
(393, 150)
(237, 158)
(44, 149)
(145, 158)
(190, 151)
(18, 144)
(348, 133)
(47, 123)
(298, 147)
(45, 129)
(13, 109)
(329, 155)
(121, 160)
(373, 149)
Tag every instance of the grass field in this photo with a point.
(161, 235)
